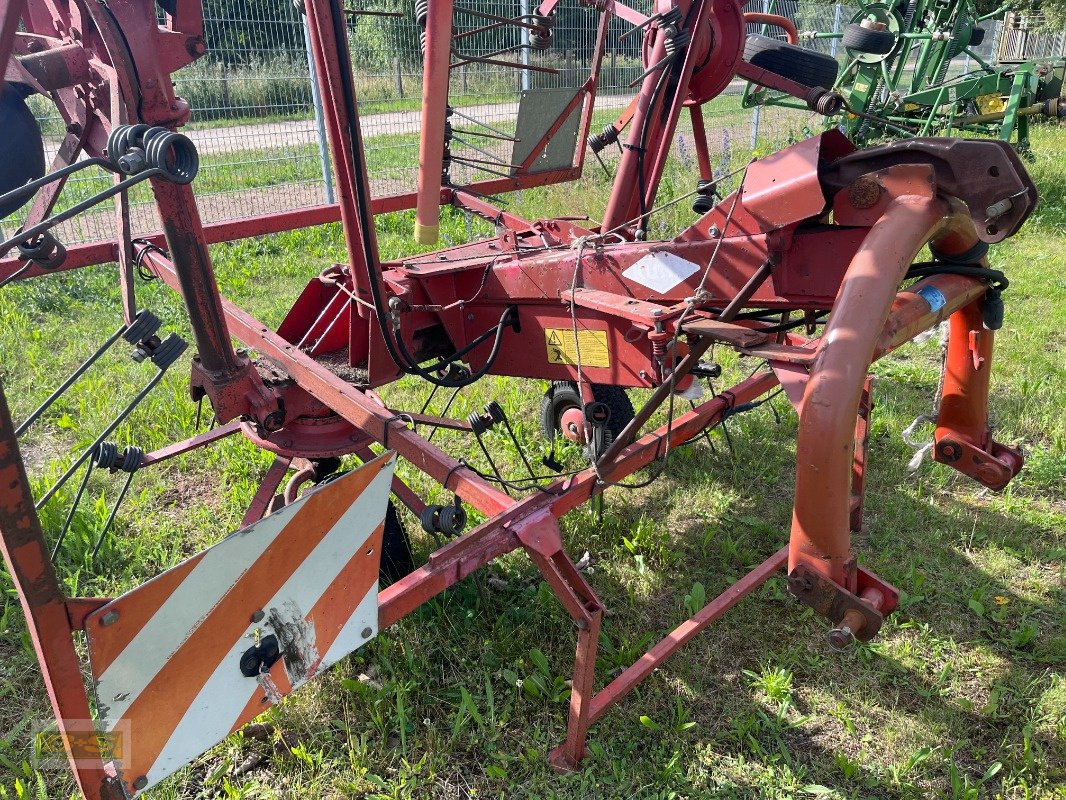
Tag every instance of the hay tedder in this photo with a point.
(896, 79)
(799, 268)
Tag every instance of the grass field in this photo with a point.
(963, 695)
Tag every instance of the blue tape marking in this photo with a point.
(934, 297)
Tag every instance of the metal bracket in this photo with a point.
(986, 175)
(862, 613)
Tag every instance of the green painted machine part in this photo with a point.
(895, 77)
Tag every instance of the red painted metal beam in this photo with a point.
(349, 402)
(45, 605)
(684, 633)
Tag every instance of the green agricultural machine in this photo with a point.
(898, 80)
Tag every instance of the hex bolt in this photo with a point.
(368, 632)
(141, 782)
(840, 639)
(132, 162)
(110, 618)
(258, 616)
(843, 636)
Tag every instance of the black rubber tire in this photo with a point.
(23, 145)
(396, 558)
(977, 37)
(562, 395)
(791, 61)
(867, 40)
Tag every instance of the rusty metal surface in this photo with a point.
(45, 607)
(834, 602)
(983, 174)
(769, 246)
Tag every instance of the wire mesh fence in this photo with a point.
(258, 125)
(1024, 37)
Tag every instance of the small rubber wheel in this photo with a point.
(564, 395)
(868, 40)
(396, 558)
(976, 37)
(791, 61)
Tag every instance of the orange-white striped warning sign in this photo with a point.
(192, 655)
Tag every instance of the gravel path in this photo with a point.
(295, 133)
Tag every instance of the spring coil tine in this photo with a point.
(168, 351)
(173, 154)
(170, 155)
(122, 138)
(105, 455)
(130, 463)
(131, 460)
(172, 351)
(45, 251)
(540, 38)
(599, 141)
(677, 44)
(144, 325)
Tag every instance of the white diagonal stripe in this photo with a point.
(224, 696)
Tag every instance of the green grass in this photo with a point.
(963, 694)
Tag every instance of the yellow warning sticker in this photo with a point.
(563, 347)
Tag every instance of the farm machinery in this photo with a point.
(896, 80)
(807, 268)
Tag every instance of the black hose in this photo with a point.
(458, 383)
(396, 349)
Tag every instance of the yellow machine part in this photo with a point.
(990, 104)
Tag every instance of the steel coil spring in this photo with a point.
(108, 456)
(676, 44)
(136, 148)
(540, 37)
(421, 19)
(598, 141)
(45, 251)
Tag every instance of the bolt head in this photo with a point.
(841, 638)
(367, 632)
(864, 193)
(110, 618)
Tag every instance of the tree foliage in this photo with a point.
(243, 32)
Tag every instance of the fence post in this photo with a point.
(524, 11)
(399, 77)
(834, 43)
(320, 122)
(755, 114)
(614, 68)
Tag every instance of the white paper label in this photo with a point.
(661, 272)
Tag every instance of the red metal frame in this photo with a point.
(770, 246)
